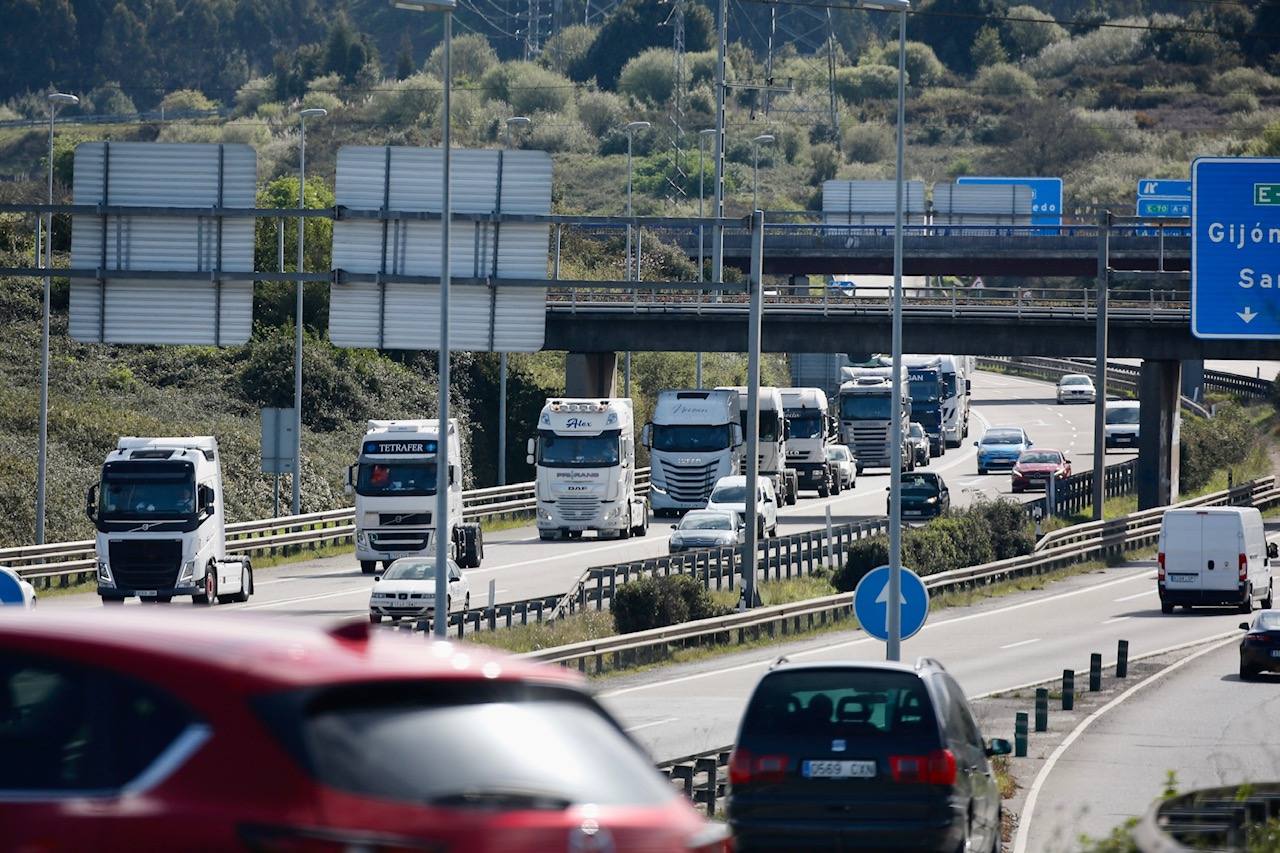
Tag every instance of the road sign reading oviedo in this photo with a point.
(1235, 248)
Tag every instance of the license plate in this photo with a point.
(147, 593)
(1275, 653)
(912, 512)
(1181, 578)
(839, 769)
(579, 527)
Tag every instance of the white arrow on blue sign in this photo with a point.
(1235, 247)
(1163, 188)
(871, 603)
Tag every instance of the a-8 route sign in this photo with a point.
(1235, 247)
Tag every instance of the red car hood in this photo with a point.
(1038, 468)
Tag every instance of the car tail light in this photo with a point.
(746, 768)
(304, 839)
(1244, 567)
(936, 768)
(1160, 570)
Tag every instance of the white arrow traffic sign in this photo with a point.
(1247, 314)
(883, 597)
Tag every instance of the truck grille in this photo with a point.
(871, 442)
(579, 509)
(145, 563)
(406, 541)
(407, 519)
(690, 482)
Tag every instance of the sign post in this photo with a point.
(279, 448)
(1235, 241)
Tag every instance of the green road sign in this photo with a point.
(1266, 194)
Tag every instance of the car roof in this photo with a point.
(1122, 404)
(1077, 376)
(1001, 430)
(916, 668)
(253, 653)
(1043, 450)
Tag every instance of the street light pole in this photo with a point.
(521, 121)
(893, 648)
(56, 101)
(313, 112)
(631, 128)
(762, 139)
(702, 241)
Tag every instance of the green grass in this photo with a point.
(800, 588)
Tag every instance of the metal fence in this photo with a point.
(1121, 377)
(1072, 494)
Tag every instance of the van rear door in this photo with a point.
(1221, 549)
(1182, 547)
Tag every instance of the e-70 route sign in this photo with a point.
(1235, 248)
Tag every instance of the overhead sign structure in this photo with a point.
(1235, 247)
(1046, 196)
(871, 603)
(390, 314)
(1164, 188)
(279, 441)
(1163, 197)
(214, 307)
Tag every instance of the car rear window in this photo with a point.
(489, 744)
(843, 703)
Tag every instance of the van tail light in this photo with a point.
(261, 838)
(1160, 570)
(936, 768)
(1244, 567)
(745, 768)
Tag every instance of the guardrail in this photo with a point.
(1209, 819)
(72, 562)
(1074, 493)
(1120, 376)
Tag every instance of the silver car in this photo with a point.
(1076, 388)
(918, 444)
(844, 468)
(706, 528)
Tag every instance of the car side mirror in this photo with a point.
(377, 578)
(968, 386)
(737, 435)
(91, 503)
(998, 746)
(975, 444)
(1244, 626)
(674, 526)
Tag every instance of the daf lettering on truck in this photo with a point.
(694, 439)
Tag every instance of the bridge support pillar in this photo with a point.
(590, 374)
(1193, 379)
(1159, 388)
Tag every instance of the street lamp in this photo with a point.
(518, 121)
(57, 100)
(440, 617)
(631, 128)
(702, 259)
(312, 112)
(762, 139)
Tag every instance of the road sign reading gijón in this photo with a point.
(871, 603)
(1235, 247)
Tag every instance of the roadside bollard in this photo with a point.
(1122, 659)
(1068, 689)
(1042, 709)
(1095, 672)
(1020, 735)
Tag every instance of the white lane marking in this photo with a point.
(1136, 595)
(935, 625)
(1033, 794)
(626, 543)
(1021, 643)
(1115, 620)
(284, 601)
(651, 725)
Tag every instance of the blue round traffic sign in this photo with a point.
(10, 588)
(871, 603)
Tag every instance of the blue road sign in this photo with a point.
(1163, 188)
(871, 603)
(1235, 247)
(1046, 196)
(10, 589)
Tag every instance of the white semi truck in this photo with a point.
(866, 416)
(694, 439)
(772, 452)
(159, 513)
(394, 481)
(585, 477)
(810, 429)
(957, 382)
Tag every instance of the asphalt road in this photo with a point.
(522, 566)
(1200, 722)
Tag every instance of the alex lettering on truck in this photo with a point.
(811, 428)
(585, 475)
(159, 514)
(772, 442)
(394, 483)
(694, 439)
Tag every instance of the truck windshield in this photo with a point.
(925, 388)
(578, 451)
(768, 424)
(148, 490)
(926, 417)
(805, 423)
(865, 407)
(687, 438)
(400, 479)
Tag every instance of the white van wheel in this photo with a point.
(1266, 602)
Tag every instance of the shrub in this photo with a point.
(1251, 80)
(1005, 81)
(701, 67)
(323, 100)
(826, 162)
(1012, 533)
(527, 87)
(867, 82)
(1209, 444)
(406, 102)
(600, 112)
(656, 602)
(868, 143)
(861, 557)
(252, 95)
(560, 133)
(109, 99)
(1240, 102)
(1036, 31)
(1100, 48)
(567, 47)
(471, 58)
(650, 76)
(923, 66)
(186, 101)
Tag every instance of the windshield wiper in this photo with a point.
(503, 798)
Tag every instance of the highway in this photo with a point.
(522, 566)
(1200, 722)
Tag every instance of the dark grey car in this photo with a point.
(862, 756)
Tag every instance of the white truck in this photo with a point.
(810, 429)
(866, 416)
(586, 470)
(772, 452)
(394, 482)
(159, 513)
(694, 439)
(957, 382)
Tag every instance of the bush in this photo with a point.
(527, 87)
(186, 101)
(1240, 102)
(323, 100)
(866, 83)
(1012, 533)
(471, 58)
(1036, 31)
(560, 133)
(656, 602)
(1006, 81)
(650, 76)
(826, 162)
(406, 102)
(109, 99)
(1100, 48)
(601, 112)
(701, 68)
(868, 143)
(252, 95)
(861, 557)
(923, 66)
(1210, 444)
(1251, 80)
(567, 47)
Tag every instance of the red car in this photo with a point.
(1034, 467)
(155, 732)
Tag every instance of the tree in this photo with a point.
(650, 76)
(923, 66)
(274, 301)
(404, 59)
(633, 27)
(987, 49)
(1043, 138)
(950, 27)
(472, 56)
(1029, 31)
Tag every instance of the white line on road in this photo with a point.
(1136, 595)
(1115, 620)
(1021, 643)
(651, 725)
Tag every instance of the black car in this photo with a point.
(924, 495)
(862, 756)
(1260, 647)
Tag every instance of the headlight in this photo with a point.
(187, 574)
(543, 515)
(362, 539)
(104, 574)
(932, 500)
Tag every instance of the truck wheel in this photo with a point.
(368, 567)
(246, 584)
(547, 535)
(824, 490)
(642, 528)
(1246, 606)
(210, 594)
(375, 618)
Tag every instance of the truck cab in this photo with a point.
(585, 476)
(928, 390)
(772, 444)
(693, 440)
(811, 428)
(866, 416)
(394, 483)
(158, 509)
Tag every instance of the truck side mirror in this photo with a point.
(529, 450)
(646, 438)
(350, 485)
(91, 503)
(968, 386)
(206, 499)
(786, 430)
(737, 434)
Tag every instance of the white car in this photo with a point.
(407, 590)
(1076, 388)
(707, 528)
(843, 466)
(1121, 426)
(14, 591)
(730, 493)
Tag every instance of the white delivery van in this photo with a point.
(1121, 429)
(1214, 555)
